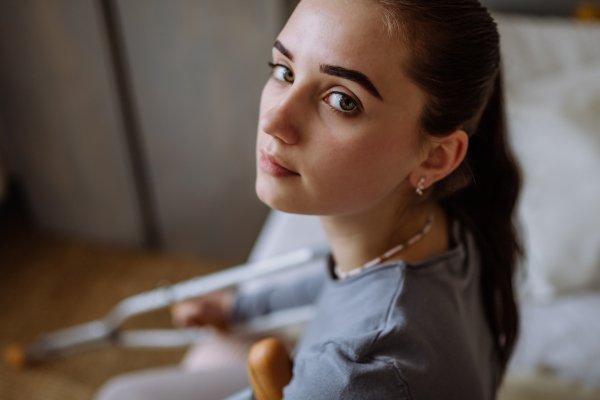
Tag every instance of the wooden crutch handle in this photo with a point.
(269, 369)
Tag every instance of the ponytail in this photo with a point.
(487, 207)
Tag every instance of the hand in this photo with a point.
(214, 309)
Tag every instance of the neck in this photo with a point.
(358, 238)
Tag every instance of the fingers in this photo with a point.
(187, 314)
(214, 309)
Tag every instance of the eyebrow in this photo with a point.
(351, 75)
(283, 50)
(340, 72)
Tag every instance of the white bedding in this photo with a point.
(552, 71)
(555, 126)
(561, 336)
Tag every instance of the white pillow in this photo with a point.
(554, 121)
(555, 132)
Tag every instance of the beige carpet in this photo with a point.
(48, 283)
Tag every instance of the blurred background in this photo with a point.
(127, 132)
(133, 122)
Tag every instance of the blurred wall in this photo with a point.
(63, 134)
(193, 70)
(198, 68)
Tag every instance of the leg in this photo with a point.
(175, 384)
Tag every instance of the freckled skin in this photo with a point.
(346, 165)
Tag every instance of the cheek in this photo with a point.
(355, 174)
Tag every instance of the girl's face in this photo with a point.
(338, 130)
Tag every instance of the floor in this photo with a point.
(48, 283)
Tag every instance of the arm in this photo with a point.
(334, 374)
(220, 309)
(303, 292)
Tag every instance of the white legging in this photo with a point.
(212, 370)
(175, 383)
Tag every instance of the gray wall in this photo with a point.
(63, 133)
(196, 67)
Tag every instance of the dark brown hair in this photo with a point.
(455, 60)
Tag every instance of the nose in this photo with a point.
(280, 121)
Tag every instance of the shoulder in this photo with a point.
(438, 331)
(399, 328)
(335, 374)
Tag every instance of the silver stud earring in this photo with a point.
(420, 187)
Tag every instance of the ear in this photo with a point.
(442, 156)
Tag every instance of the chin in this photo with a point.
(271, 197)
(280, 199)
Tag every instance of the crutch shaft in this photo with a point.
(105, 330)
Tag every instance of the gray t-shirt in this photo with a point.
(395, 331)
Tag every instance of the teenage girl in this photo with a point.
(385, 118)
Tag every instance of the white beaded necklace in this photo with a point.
(345, 275)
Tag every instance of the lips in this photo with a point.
(269, 164)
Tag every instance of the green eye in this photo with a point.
(282, 73)
(342, 102)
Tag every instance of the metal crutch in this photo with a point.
(106, 331)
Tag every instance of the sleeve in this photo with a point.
(300, 293)
(333, 375)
